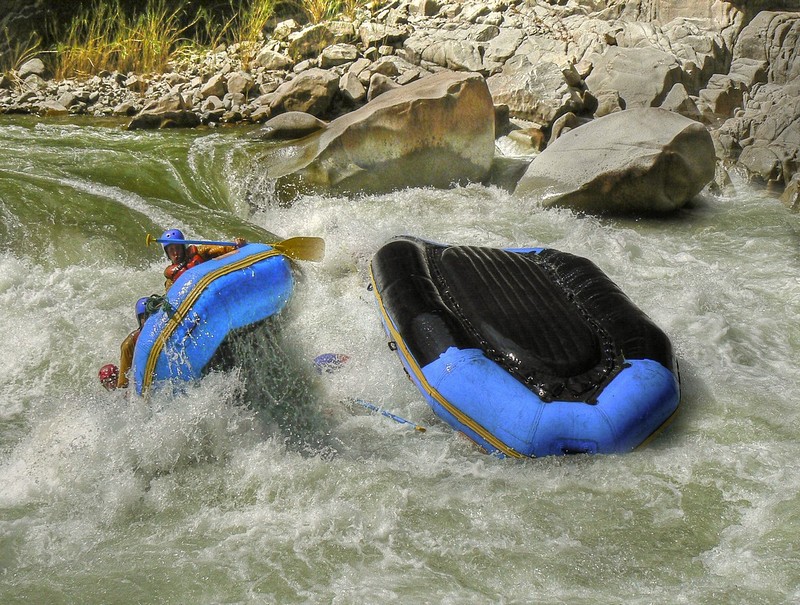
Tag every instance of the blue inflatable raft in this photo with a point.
(528, 352)
(205, 305)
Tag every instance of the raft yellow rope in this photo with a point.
(176, 319)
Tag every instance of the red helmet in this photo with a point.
(108, 375)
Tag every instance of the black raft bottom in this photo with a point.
(553, 320)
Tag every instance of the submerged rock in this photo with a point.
(642, 160)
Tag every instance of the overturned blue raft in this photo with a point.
(205, 305)
(528, 352)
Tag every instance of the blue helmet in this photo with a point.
(141, 306)
(171, 234)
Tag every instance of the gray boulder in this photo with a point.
(351, 88)
(433, 132)
(375, 34)
(770, 135)
(380, 84)
(311, 92)
(337, 54)
(536, 91)
(287, 126)
(645, 160)
(214, 87)
(33, 66)
(272, 60)
(171, 111)
(641, 76)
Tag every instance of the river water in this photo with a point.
(211, 496)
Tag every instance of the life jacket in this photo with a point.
(192, 259)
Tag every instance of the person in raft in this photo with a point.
(113, 377)
(129, 344)
(108, 375)
(185, 257)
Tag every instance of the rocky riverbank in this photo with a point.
(549, 66)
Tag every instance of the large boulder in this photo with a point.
(431, 133)
(537, 91)
(645, 160)
(311, 92)
(171, 111)
(641, 76)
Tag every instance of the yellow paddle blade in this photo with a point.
(149, 240)
(302, 248)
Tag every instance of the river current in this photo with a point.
(210, 496)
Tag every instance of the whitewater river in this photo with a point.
(280, 492)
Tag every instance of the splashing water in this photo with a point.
(260, 485)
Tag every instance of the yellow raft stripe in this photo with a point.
(460, 416)
(174, 321)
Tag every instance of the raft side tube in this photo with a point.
(640, 399)
(210, 300)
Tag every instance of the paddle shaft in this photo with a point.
(297, 248)
(395, 417)
(206, 242)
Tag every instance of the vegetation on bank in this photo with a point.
(105, 36)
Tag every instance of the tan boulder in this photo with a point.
(310, 42)
(433, 132)
(311, 92)
(171, 111)
(791, 195)
(287, 126)
(637, 161)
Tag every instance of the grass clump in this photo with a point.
(317, 11)
(104, 37)
(247, 26)
(14, 52)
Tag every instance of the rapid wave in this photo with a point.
(261, 484)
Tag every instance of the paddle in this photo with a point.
(298, 248)
(374, 408)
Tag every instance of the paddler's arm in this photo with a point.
(208, 252)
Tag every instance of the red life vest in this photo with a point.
(192, 259)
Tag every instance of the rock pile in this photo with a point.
(550, 65)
